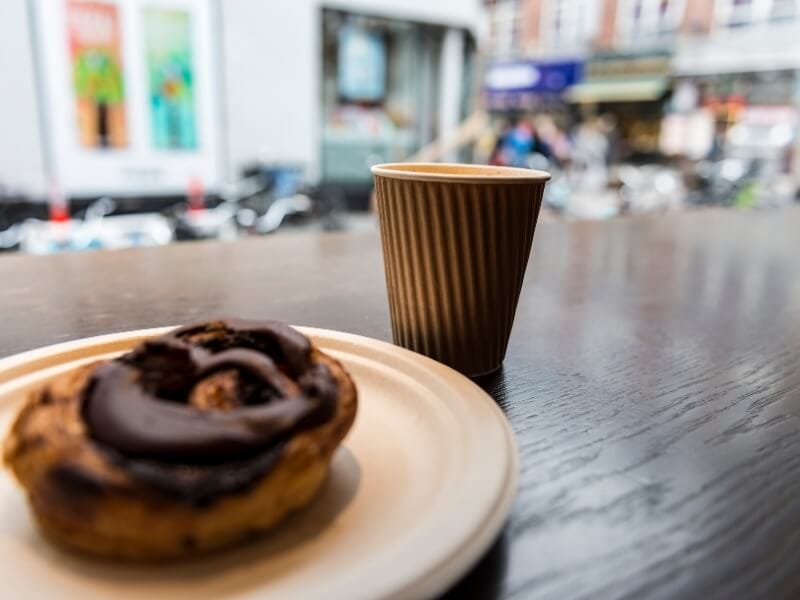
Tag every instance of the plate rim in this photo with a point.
(433, 579)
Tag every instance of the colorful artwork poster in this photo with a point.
(97, 75)
(171, 78)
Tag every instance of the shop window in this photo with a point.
(569, 24)
(642, 21)
(380, 91)
(742, 13)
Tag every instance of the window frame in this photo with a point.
(760, 14)
(507, 13)
(654, 31)
(584, 33)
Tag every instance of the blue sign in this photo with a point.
(521, 83)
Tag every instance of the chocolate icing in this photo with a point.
(137, 405)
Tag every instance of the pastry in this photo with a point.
(190, 442)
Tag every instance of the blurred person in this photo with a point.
(516, 145)
(520, 143)
(717, 150)
(485, 144)
(497, 157)
(555, 139)
(591, 149)
(608, 127)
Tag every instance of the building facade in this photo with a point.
(558, 27)
(668, 65)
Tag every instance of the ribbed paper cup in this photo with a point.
(456, 241)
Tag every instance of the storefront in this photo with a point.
(751, 116)
(745, 81)
(530, 94)
(631, 88)
(387, 90)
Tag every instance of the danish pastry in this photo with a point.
(190, 442)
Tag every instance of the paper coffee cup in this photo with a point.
(456, 241)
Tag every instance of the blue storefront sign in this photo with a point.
(525, 83)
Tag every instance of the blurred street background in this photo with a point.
(145, 122)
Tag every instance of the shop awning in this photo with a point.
(618, 90)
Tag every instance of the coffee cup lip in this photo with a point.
(459, 172)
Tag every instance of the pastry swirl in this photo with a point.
(205, 435)
(139, 404)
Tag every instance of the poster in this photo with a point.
(97, 75)
(170, 75)
(361, 65)
(108, 128)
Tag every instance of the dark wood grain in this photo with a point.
(652, 378)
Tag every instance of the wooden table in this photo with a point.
(652, 379)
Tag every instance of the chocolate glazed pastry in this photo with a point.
(190, 442)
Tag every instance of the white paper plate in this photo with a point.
(417, 493)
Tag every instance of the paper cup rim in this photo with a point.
(459, 172)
